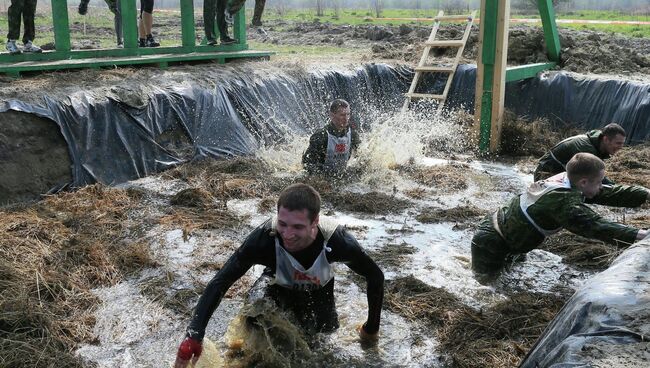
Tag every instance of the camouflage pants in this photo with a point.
(24, 9)
(235, 5)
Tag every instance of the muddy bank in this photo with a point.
(33, 157)
(582, 51)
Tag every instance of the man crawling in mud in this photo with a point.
(603, 143)
(331, 147)
(297, 247)
(551, 205)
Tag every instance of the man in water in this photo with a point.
(297, 247)
(551, 205)
(331, 147)
(603, 143)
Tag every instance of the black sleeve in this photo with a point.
(314, 156)
(355, 141)
(356, 258)
(251, 252)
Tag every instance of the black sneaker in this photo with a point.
(228, 41)
(211, 42)
(151, 42)
(142, 43)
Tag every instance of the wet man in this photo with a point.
(297, 247)
(551, 205)
(114, 7)
(603, 143)
(24, 10)
(331, 147)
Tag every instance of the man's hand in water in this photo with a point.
(366, 337)
(190, 349)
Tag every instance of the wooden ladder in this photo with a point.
(450, 70)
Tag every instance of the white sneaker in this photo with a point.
(12, 47)
(30, 47)
(229, 18)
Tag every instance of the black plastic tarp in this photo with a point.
(111, 141)
(604, 317)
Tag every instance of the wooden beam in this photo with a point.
(520, 72)
(551, 35)
(499, 81)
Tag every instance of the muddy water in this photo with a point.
(141, 321)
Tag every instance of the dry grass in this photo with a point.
(630, 166)
(52, 254)
(582, 252)
(499, 336)
(445, 178)
(371, 202)
(392, 255)
(520, 137)
(461, 214)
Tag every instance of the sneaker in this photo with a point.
(120, 45)
(229, 18)
(151, 42)
(12, 47)
(142, 43)
(261, 31)
(211, 42)
(228, 41)
(30, 47)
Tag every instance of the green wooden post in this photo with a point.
(239, 28)
(187, 23)
(129, 24)
(550, 29)
(488, 58)
(61, 25)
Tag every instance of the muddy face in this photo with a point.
(341, 118)
(612, 145)
(296, 229)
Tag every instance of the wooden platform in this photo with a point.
(94, 59)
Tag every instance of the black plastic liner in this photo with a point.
(112, 142)
(609, 312)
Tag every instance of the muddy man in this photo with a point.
(551, 205)
(331, 147)
(603, 143)
(297, 247)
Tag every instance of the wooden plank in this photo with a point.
(478, 91)
(61, 25)
(551, 35)
(435, 69)
(520, 72)
(425, 95)
(451, 18)
(187, 23)
(499, 81)
(445, 43)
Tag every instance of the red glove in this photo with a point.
(189, 348)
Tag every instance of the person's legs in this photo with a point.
(257, 13)
(489, 252)
(221, 21)
(209, 13)
(114, 7)
(14, 15)
(29, 10)
(235, 5)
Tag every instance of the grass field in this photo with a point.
(97, 25)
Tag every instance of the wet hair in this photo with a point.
(338, 104)
(583, 165)
(298, 197)
(611, 130)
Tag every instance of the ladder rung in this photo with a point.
(451, 18)
(445, 43)
(425, 95)
(446, 69)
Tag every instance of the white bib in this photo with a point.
(536, 191)
(338, 151)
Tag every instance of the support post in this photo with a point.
(187, 23)
(239, 28)
(61, 25)
(129, 24)
(551, 35)
(491, 72)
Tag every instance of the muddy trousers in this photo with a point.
(315, 311)
(489, 251)
(114, 6)
(215, 9)
(235, 5)
(25, 10)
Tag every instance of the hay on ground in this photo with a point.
(520, 137)
(371, 202)
(460, 214)
(192, 197)
(582, 252)
(630, 166)
(392, 255)
(447, 178)
(51, 255)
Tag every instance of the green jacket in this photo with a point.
(555, 160)
(314, 157)
(565, 208)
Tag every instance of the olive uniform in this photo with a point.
(315, 158)
(547, 207)
(555, 160)
(235, 5)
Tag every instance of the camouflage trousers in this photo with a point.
(24, 9)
